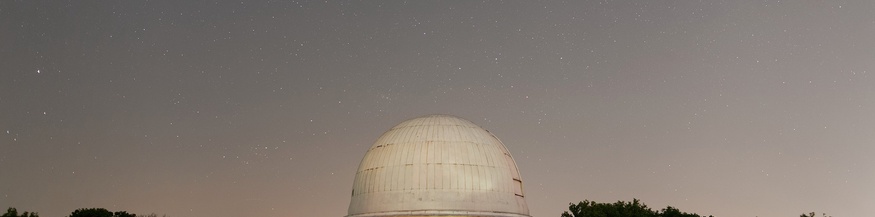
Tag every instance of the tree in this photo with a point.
(99, 212)
(12, 212)
(123, 214)
(812, 214)
(588, 208)
(674, 212)
(635, 208)
(91, 212)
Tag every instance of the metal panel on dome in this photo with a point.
(437, 165)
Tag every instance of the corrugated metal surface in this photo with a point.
(437, 165)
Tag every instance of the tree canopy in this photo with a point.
(635, 208)
(12, 212)
(99, 212)
(812, 214)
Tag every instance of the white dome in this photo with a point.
(437, 165)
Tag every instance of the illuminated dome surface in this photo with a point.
(437, 165)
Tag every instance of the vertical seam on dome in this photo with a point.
(381, 170)
(445, 154)
(411, 157)
(375, 182)
(439, 155)
(429, 167)
(469, 174)
(475, 175)
(490, 150)
(498, 155)
(369, 180)
(460, 159)
(378, 178)
(454, 181)
(489, 160)
(393, 165)
(475, 164)
(481, 168)
(431, 152)
(510, 171)
(429, 156)
(401, 159)
(419, 155)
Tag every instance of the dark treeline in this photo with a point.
(83, 212)
(635, 208)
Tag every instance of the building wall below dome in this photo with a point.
(435, 201)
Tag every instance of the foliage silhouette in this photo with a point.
(12, 212)
(812, 214)
(635, 208)
(99, 212)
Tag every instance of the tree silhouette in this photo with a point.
(99, 212)
(812, 214)
(12, 212)
(91, 212)
(674, 212)
(151, 215)
(123, 214)
(635, 208)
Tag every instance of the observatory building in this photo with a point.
(437, 165)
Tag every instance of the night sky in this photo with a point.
(203, 109)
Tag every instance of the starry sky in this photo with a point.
(202, 108)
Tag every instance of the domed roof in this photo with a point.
(437, 165)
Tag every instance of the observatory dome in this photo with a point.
(437, 165)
